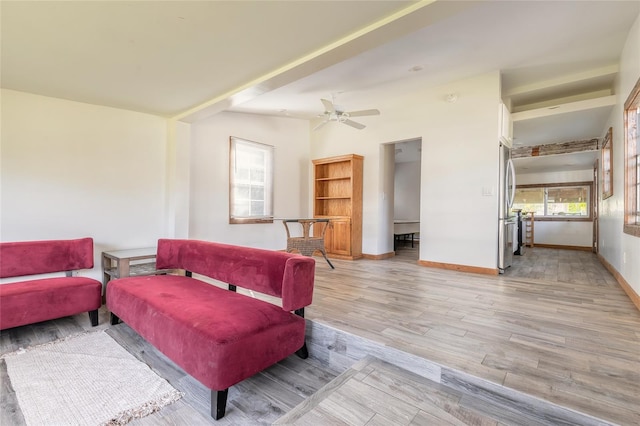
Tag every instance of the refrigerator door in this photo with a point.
(506, 244)
(511, 184)
(506, 222)
(506, 184)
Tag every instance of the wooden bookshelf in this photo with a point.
(338, 197)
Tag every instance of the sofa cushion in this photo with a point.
(33, 301)
(217, 336)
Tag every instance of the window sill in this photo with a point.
(562, 219)
(250, 220)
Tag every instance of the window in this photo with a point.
(251, 182)
(570, 201)
(607, 165)
(529, 200)
(632, 163)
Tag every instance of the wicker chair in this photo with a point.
(307, 244)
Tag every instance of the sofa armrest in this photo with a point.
(297, 283)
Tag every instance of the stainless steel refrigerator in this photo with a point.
(507, 221)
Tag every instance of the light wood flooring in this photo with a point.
(374, 392)
(556, 326)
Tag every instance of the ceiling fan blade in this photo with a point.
(320, 125)
(363, 112)
(353, 124)
(328, 105)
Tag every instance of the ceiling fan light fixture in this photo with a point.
(451, 98)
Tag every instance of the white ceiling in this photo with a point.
(188, 59)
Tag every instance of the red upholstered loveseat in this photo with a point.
(217, 335)
(33, 300)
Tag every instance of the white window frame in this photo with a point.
(248, 159)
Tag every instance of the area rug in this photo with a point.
(87, 379)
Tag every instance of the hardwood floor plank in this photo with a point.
(411, 387)
(429, 419)
(349, 410)
(377, 401)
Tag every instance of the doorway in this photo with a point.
(403, 178)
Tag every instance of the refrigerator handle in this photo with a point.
(512, 170)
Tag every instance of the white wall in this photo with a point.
(459, 159)
(126, 179)
(578, 234)
(569, 233)
(407, 191)
(178, 169)
(614, 243)
(72, 170)
(209, 177)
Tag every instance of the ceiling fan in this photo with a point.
(333, 112)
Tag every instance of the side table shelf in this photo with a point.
(134, 270)
(129, 263)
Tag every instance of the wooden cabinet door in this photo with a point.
(328, 239)
(340, 240)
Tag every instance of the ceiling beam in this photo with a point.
(555, 148)
(582, 105)
(610, 70)
(412, 18)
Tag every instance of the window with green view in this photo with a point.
(555, 201)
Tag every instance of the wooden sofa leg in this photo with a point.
(218, 403)
(114, 319)
(93, 316)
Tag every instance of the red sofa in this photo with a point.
(33, 300)
(217, 335)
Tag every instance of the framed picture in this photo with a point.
(607, 165)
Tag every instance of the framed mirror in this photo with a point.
(607, 165)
